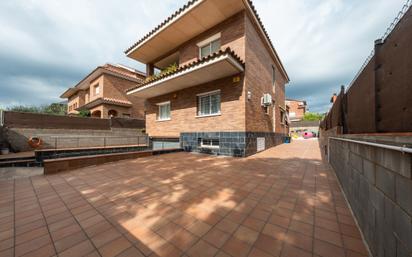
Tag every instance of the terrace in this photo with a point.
(282, 202)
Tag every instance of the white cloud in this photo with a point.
(46, 41)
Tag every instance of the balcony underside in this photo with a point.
(198, 17)
(221, 66)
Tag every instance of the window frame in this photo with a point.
(211, 143)
(282, 116)
(96, 90)
(208, 42)
(209, 94)
(158, 111)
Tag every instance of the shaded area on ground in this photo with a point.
(281, 202)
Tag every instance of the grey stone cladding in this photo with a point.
(236, 144)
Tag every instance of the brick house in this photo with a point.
(222, 89)
(297, 109)
(102, 92)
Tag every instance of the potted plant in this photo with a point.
(4, 149)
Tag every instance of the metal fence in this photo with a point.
(378, 100)
(388, 31)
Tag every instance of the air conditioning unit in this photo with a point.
(266, 100)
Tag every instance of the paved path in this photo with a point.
(282, 202)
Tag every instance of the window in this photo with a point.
(209, 46)
(164, 111)
(282, 117)
(209, 104)
(273, 75)
(210, 143)
(97, 89)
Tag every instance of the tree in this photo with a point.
(312, 116)
(84, 113)
(54, 108)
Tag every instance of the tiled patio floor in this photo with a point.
(282, 202)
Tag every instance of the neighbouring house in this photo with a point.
(103, 93)
(221, 88)
(297, 109)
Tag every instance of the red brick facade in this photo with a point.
(112, 82)
(297, 109)
(238, 112)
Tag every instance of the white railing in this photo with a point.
(388, 31)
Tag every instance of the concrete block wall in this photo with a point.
(378, 185)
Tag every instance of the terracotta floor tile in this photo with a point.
(183, 239)
(69, 241)
(64, 232)
(32, 245)
(236, 247)
(130, 252)
(328, 236)
(246, 234)
(28, 227)
(199, 228)
(269, 245)
(7, 253)
(325, 249)
(255, 252)
(351, 231)
(227, 226)
(98, 228)
(222, 254)
(167, 250)
(299, 240)
(291, 251)
(114, 247)
(274, 231)
(81, 249)
(253, 223)
(202, 249)
(216, 237)
(350, 253)
(169, 230)
(6, 244)
(238, 207)
(301, 227)
(329, 225)
(355, 245)
(279, 220)
(44, 251)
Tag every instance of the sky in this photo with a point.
(47, 46)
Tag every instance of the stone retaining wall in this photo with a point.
(72, 138)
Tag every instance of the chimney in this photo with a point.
(333, 99)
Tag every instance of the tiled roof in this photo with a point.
(187, 5)
(105, 100)
(189, 65)
(123, 71)
(192, 2)
(116, 101)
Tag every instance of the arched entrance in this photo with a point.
(96, 114)
(112, 113)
